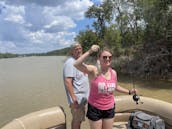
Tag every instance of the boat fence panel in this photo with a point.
(51, 118)
(125, 105)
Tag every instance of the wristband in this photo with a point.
(129, 92)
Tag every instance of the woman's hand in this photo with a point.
(133, 91)
(94, 48)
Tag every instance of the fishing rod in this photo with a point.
(136, 97)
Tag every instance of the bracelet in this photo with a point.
(129, 92)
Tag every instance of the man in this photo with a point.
(76, 86)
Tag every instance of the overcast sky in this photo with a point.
(34, 26)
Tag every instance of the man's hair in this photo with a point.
(73, 46)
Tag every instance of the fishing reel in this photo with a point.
(136, 98)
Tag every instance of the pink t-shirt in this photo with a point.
(101, 92)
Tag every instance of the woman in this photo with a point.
(103, 82)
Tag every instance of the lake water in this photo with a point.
(30, 84)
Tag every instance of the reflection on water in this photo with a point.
(33, 83)
(158, 89)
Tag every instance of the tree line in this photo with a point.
(61, 52)
(8, 55)
(139, 33)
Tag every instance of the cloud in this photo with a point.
(37, 2)
(29, 26)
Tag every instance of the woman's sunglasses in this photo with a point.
(106, 57)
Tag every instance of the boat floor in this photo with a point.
(120, 125)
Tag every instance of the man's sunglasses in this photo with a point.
(106, 57)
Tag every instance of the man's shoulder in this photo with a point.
(69, 60)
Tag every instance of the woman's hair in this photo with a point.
(104, 49)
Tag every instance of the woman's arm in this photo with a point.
(122, 89)
(79, 62)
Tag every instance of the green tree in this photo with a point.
(103, 15)
(112, 39)
(129, 21)
(87, 38)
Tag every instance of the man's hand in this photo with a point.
(75, 103)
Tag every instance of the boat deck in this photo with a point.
(120, 125)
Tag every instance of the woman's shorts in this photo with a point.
(95, 114)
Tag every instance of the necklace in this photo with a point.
(106, 74)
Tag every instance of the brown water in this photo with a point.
(30, 84)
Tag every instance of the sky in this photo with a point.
(37, 26)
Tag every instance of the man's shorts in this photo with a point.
(95, 114)
(78, 114)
